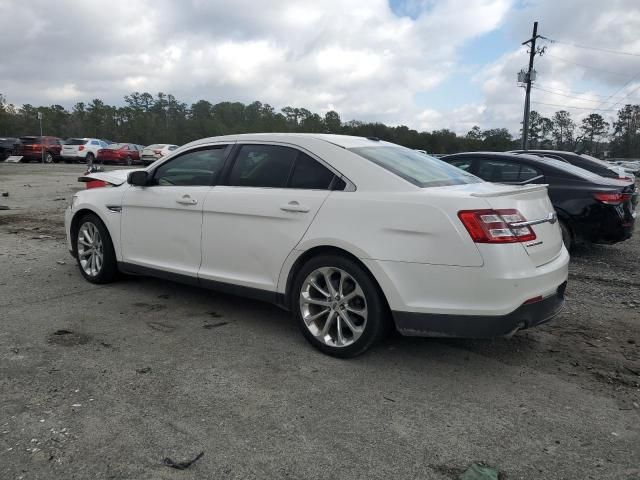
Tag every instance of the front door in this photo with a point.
(162, 222)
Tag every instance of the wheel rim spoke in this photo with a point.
(321, 290)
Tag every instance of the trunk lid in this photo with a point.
(533, 204)
(114, 177)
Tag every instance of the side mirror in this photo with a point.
(139, 178)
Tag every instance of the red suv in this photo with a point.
(32, 148)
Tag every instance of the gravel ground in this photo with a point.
(107, 381)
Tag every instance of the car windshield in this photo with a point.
(415, 167)
(75, 141)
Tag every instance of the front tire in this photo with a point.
(94, 250)
(338, 306)
(48, 157)
(129, 161)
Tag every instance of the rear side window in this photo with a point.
(95, 142)
(310, 174)
(415, 167)
(199, 168)
(501, 171)
(262, 166)
(462, 163)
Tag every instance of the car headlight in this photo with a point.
(73, 202)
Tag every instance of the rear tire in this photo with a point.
(338, 306)
(129, 161)
(48, 157)
(95, 255)
(567, 236)
(89, 159)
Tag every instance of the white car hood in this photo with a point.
(114, 177)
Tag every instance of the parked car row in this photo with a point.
(590, 207)
(88, 150)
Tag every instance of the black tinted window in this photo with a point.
(310, 174)
(199, 168)
(461, 163)
(501, 171)
(262, 166)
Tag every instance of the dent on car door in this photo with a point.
(162, 222)
(253, 222)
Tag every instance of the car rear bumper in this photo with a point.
(481, 326)
(607, 225)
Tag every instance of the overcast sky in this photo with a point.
(428, 64)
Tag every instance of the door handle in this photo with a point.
(294, 206)
(187, 200)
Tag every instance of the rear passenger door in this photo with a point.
(252, 222)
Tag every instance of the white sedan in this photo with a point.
(351, 234)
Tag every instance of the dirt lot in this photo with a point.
(107, 381)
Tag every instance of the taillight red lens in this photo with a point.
(494, 226)
(95, 184)
(80, 148)
(157, 152)
(614, 198)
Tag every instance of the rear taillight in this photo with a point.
(494, 226)
(615, 198)
(80, 148)
(627, 179)
(157, 152)
(95, 184)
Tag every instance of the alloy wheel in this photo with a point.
(90, 249)
(333, 306)
(48, 158)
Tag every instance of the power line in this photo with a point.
(579, 108)
(568, 96)
(598, 49)
(605, 101)
(573, 96)
(571, 92)
(585, 66)
(632, 91)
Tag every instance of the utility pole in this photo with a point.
(41, 139)
(527, 79)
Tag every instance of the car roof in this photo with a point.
(344, 141)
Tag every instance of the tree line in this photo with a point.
(146, 119)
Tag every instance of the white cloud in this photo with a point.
(357, 57)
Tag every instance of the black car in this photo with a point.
(581, 160)
(589, 207)
(6, 147)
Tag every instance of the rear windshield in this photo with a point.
(75, 141)
(30, 140)
(157, 145)
(415, 167)
(116, 146)
(574, 170)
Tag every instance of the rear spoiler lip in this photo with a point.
(511, 191)
(88, 178)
